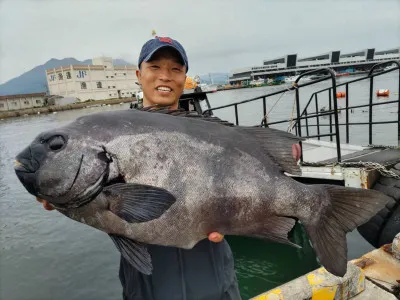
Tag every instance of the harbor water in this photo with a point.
(44, 255)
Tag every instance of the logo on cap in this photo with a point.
(165, 40)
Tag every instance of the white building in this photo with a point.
(21, 101)
(99, 81)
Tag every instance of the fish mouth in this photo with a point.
(22, 167)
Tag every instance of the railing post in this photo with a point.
(337, 134)
(398, 115)
(330, 115)
(347, 114)
(236, 115)
(317, 114)
(308, 133)
(264, 107)
(371, 88)
(298, 112)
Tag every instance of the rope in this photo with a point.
(290, 127)
(368, 166)
(264, 119)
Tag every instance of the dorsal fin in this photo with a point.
(185, 114)
(276, 143)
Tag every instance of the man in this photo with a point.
(206, 271)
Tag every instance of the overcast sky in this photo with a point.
(218, 35)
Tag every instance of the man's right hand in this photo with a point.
(215, 237)
(46, 205)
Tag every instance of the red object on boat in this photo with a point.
(382, 93)
(340, 94)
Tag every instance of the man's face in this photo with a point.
(162, 78)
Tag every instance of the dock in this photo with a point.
(375, 275)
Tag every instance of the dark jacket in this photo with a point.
(205, 272)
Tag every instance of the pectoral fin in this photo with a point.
(137, 203)
(135, 253)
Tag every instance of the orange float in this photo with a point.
(340, 94)
(382, 93)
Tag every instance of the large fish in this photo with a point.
(153, 178)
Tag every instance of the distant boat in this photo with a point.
(257, 82)
(294, 78)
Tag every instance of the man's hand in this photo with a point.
(215, 237)
(46, 205)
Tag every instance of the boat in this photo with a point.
(337, 161)
(290, 79)
(257, 82)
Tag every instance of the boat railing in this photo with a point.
(301, 123)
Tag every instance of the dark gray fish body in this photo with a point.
(182, 178)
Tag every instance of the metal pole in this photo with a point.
(298, 112)
(330, 110)
(398, 115)
(335, 107)
(317, 113)
(347, 114)
(371, 87)
(236, 115)
(264, 107)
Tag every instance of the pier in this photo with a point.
(358, 62)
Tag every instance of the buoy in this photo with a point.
(340, 94)
(382, 92)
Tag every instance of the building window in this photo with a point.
(106, 76)
(14, 103)
(124, 73)
(112, 76)
(26, 102)
(38, 101)
(110, 94)
(99, 86)
(83, 85)
(68, 75)
(2, 104)
(114, 86)
(60, 76)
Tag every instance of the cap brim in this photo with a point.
(148, 57)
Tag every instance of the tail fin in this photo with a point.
(351, 207)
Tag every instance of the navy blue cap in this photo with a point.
(153, 45)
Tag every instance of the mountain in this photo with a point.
(214, 78)
(34, 81)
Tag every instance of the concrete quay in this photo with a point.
(375, 275)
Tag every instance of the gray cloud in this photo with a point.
(218, 35)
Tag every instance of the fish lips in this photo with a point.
(28, 177)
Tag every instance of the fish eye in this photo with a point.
(56, 142)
